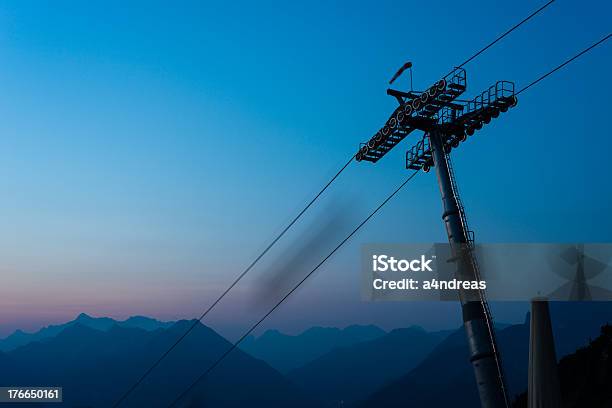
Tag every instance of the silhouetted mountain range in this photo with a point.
(586, 375)
(95, 367)
(348, 374)
(447, 367)
(20, 338)
(285, 352)
(97, 359)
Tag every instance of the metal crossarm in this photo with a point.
(457, 120)
(416, 110)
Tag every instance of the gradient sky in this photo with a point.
(149, 151)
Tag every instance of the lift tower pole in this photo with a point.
(447, 122)
(483, 354)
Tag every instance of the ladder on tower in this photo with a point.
(469, 233)
(472, 259)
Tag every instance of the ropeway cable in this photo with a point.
(229, 288)
(265, 316)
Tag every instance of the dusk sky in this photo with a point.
(149, 151)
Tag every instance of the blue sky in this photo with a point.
(149, 151)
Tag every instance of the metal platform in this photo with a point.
(460, 123)
(416, 110)
(419, 155)
(460, 120)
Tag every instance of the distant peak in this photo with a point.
(17, 333)
(139, 317)
(272, 333)
(83, 316)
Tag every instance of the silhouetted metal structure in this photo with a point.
(543, 389)
(446, 122)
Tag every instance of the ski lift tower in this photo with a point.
(446, 122)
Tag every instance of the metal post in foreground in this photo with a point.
(543, 390)
(481, 344)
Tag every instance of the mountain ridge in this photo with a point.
(347, 374)
(96, 366)
(447, 366)
(286, 352)
(20, 338)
